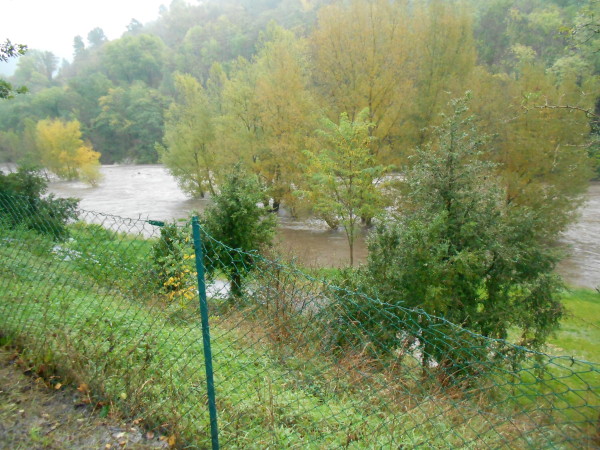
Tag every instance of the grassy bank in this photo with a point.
(88, 309)
(579, 333)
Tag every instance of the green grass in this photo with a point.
(579, 333)
(88, 308)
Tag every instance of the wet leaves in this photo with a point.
(38, 413)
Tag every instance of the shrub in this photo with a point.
(22, 203)
(173, 263)
(237, 224)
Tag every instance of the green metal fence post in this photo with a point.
(210, 384)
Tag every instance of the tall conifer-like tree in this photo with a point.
(457, 250)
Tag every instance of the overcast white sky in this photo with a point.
(52, 24)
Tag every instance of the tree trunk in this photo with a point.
(235, 290)
(276, 204)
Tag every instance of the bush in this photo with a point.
(22, 203)
(173, 263)
(237, 225)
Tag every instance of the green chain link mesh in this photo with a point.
(298, 363)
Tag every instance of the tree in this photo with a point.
(364, 58)
(342, 175)
(87, 90)
(9, 50)
(284, 110)
(585, 33)
(268, 112)
(78, 47)
(64, 153)
(36, 69)
(135, 26)
(445, 57)
(135, 58)
(96, 37)
(188, 150)
(542, 151)
(207, 44)
(237, 226)
(458, 251)
(130, 123)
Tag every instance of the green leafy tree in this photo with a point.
(342, 175)
(37, 70)
(86, 91)
(9, 50)
(131, 123)
(78, 47)
(237, 226)
(457, 250)
(96, 37)
(135, 58)
(188, 150)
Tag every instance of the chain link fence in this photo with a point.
(297, 362)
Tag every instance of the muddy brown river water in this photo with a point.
(149, 192)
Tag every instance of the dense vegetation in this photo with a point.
(457, 250)
(268, 71)
(34, 210)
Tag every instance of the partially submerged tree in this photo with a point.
(188, 150)
(268, 112)
(342, 175)
(64, 153)
(236, 227)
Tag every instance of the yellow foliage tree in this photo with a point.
(402, 60)
(269, 112)
(541, 147)
(445, 57)
(364, 58)
(64, 153)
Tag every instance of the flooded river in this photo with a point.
(149, 192)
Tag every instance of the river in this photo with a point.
(150, 192)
